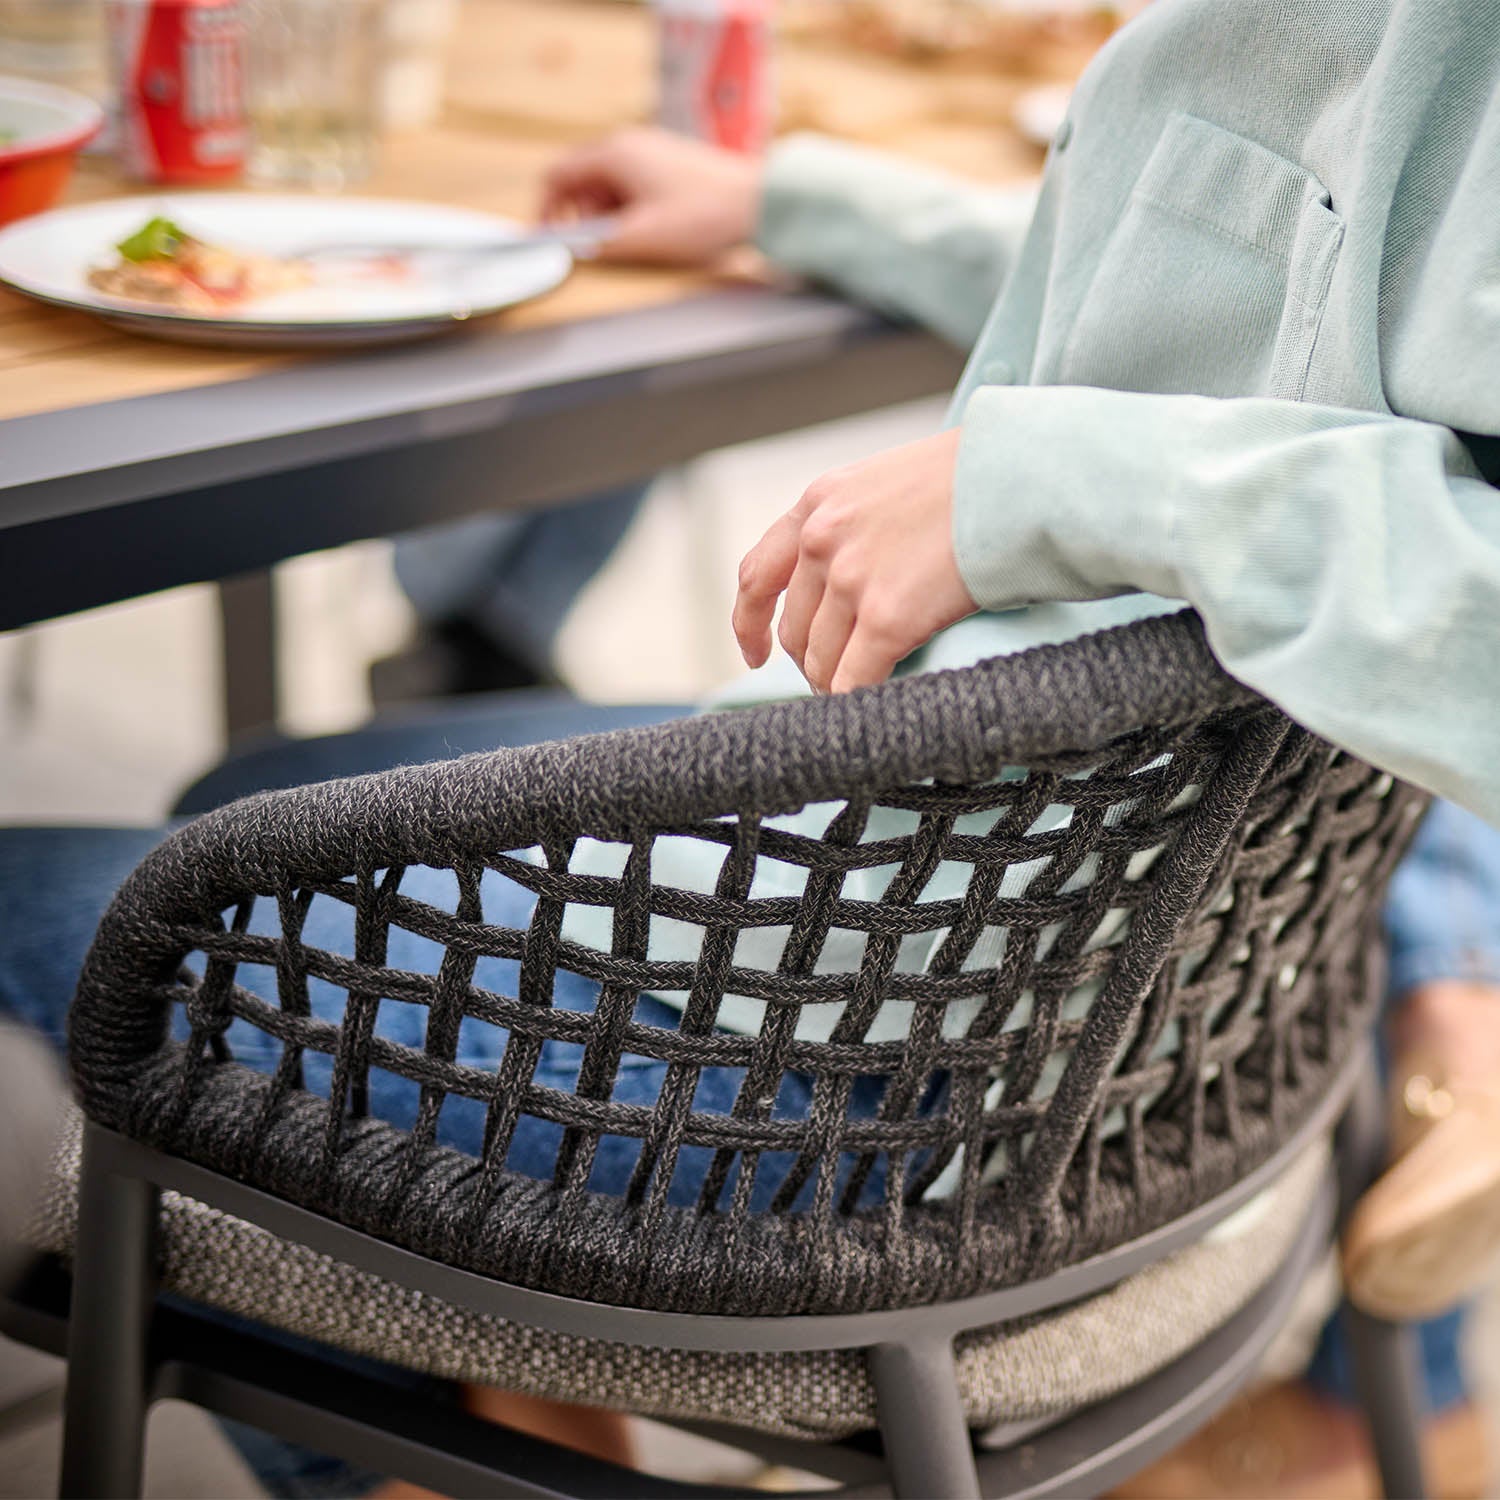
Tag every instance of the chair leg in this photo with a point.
(104, 1407)
(1360, 1138)
(1387, 1377)
(1384, 1356)
(928, 1447)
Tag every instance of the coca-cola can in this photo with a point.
(179, 76)
(715, 66)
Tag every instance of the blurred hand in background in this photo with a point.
(676, 201)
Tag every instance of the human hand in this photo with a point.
(678, 201)
(865, 559)
(1453, 1024)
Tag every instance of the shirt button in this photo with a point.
(1064, 134)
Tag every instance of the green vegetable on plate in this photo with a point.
(158, 239)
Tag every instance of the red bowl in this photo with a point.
(42, 128)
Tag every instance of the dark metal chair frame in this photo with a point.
(124, 1351)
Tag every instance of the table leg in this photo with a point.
(247, 615)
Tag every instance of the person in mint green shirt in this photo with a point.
(1245, 352)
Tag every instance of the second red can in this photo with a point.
(716, 81)
(179, 76)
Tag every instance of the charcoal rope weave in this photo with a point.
(1193, 955)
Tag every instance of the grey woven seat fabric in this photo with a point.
(1031, 1369)
(1147, 906)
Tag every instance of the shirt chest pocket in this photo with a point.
(1215, 278)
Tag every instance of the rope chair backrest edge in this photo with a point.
(957, 725)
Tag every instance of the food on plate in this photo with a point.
(163, 264)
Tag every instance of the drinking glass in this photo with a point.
(314, 89)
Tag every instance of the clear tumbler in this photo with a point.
(314, 90)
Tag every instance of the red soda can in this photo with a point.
(715, 68)
(179, 73)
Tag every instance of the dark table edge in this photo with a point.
(321, 409)
(113, 501)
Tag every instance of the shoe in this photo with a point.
(447, 660)
(1284, 1442)
(1426, 1235)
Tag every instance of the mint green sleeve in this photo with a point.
(910, 241)
(1346, 564)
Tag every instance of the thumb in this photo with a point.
(585, 181)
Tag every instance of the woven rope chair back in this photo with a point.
(1069, 942)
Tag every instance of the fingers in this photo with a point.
(870, 656)
(819, 614)
(866, 561)
(821, 628)
(582, 164)
(582, 200)
(803, 596)
(587, 180)
(593, 182)
(602, 175)
(765, 572)
(827, 639)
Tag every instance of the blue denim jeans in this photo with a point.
(514, 576)
(57, 881)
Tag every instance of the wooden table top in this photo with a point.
(525, 77)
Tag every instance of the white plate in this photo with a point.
(49, 257)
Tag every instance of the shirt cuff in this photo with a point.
(804, 177)
(1059, 494)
